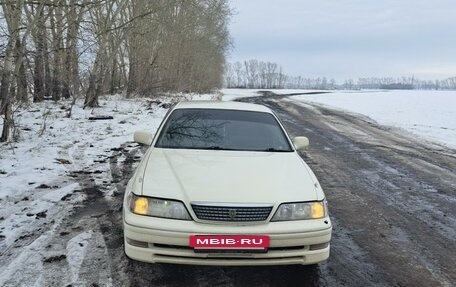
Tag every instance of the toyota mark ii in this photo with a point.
(222, 183)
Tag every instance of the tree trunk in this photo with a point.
(5, 96)
(91, 98)
(71, 80)
(113, 84)
(21, 79)
(39, 70)
(12, 12)
(7, 123)
(58, 70)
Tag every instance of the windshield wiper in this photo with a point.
(216, 147)
(271, 149)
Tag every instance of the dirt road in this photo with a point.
(391, 196)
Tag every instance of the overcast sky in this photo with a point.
(348, 38)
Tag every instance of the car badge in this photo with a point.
(232, 213)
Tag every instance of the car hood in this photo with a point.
(228, 176)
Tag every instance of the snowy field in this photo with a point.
(429, 114)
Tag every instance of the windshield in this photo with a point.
(223, 130)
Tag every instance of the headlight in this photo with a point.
(157, 207)
(300, 211)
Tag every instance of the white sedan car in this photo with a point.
(222, 184)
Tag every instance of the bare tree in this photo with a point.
(12, 12)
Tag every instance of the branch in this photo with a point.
(130, 21)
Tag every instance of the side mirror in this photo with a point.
(143, 137)
(300, 142)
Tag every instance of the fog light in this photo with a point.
(318, 246)
(137, 243)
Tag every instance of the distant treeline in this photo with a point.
(402, 83)
(56, 49)
(254, 74)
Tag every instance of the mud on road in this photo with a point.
(391, 196)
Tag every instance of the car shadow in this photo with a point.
(190, 275)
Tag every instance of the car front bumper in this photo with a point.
(159, 240)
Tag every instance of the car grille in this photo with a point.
(231, 213)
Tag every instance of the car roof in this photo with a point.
(222, 105)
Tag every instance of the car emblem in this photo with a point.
(232, 213)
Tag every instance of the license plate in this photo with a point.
(237, 242)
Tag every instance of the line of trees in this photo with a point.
(254, 74)
(404, 83)
(54, 49)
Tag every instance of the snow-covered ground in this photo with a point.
(232, 94)
(37, 187)
(429, 114)
(24, 165)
